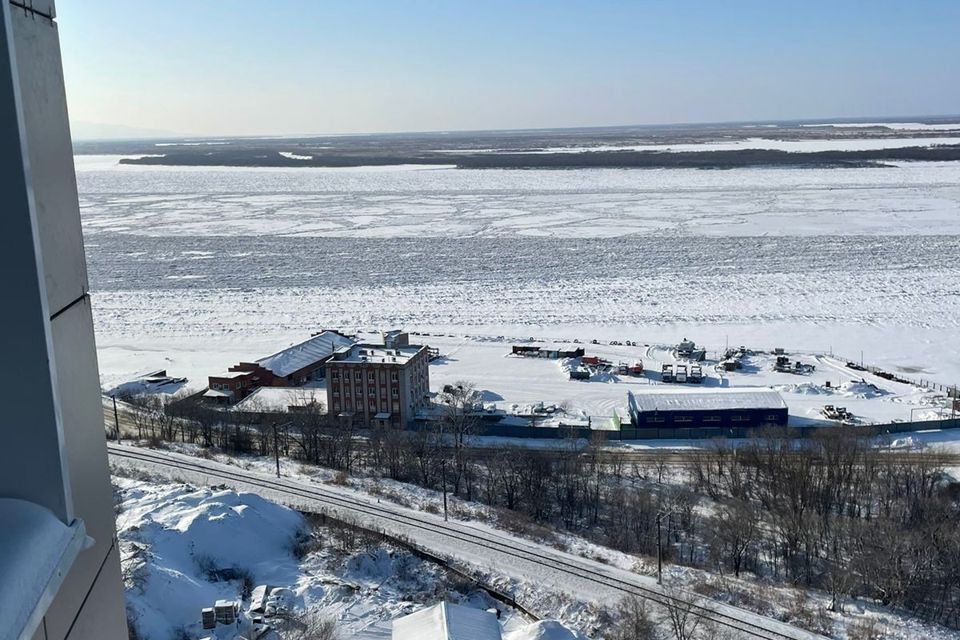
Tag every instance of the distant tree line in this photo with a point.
(233, 156)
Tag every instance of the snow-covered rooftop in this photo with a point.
(280, 399)
(685, 399)
(378, 353)
(230, 374)
(301, 355)
(447, 621)
(36, 550)
(217, 393)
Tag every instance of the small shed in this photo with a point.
(524, 350)
(446, 621)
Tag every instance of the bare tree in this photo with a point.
(634, 621)
(683, 614)
(735, 531)
(460, 402)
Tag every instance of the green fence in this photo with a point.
(703, 433)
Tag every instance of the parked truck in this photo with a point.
(666, 373)
(696, 374)
(680, 373)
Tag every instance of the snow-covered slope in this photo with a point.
(183, 548)
(173, 537)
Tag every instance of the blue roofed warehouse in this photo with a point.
(725, 408)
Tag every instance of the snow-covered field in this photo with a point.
(515, 383)
(193, 269)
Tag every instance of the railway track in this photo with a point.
(473, 541)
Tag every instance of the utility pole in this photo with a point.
(659, 552)
(116, 418)
(276, 447)
(443, 468)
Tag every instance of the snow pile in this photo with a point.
(545, 630)
(569, 364)
(183, 548)
(805, 388)
(861, 389)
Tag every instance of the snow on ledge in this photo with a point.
(36, 550)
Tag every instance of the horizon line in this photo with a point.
(804, 120)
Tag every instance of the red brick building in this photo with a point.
(292, 367)
(230, 386)
(379, 384)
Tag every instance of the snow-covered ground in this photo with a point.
(173, 537)
(513, 383)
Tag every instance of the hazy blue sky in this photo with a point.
(246, 68)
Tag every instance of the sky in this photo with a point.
(216, 68)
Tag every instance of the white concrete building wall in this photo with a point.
(55, 426)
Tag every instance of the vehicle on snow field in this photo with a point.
(680, 373)
(666, 373)
(837, 413)
(696, 374)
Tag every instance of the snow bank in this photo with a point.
(805, 388)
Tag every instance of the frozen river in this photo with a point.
(189, 265)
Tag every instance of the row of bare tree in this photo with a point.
(836, 513)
